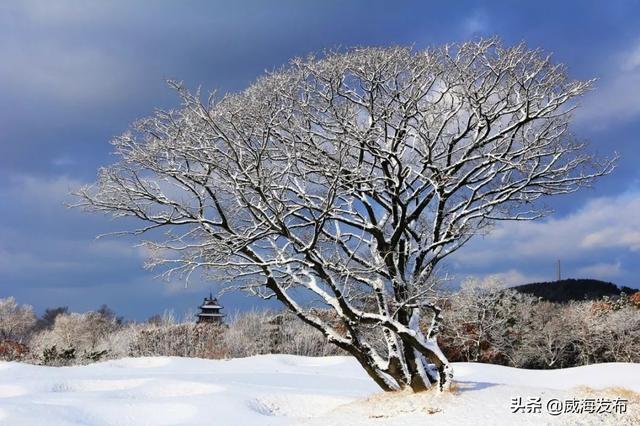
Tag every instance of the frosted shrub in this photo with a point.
(262, 332)
(119, 343)
(249, 334)
(187, 339)
(74, 338)
(297, 338)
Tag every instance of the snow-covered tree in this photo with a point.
(484, 320)
(84, 332)
(343, 181)
(16, 321)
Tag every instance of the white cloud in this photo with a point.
(613, 237)
(180, 286)
(474, 24)
(63, 161)
(39, 191)
(601, 224)
(509, 278)
(615, 97)
(602, 270)
(631, 61)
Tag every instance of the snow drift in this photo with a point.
(285, 389)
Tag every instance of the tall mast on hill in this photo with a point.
(559, 271)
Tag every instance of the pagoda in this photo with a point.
(210, 311)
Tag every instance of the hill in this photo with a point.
(567, 290)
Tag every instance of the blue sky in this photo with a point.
(73, 74)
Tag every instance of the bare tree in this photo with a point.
(83, 332)
(482, 319)
(16, 321)
(49, 316)
(342, 182)
(548, 341)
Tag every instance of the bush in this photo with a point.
(264, 332)
(13, 351)
(187, 340)
(83, 337)
(51, 356)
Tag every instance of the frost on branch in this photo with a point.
(342, 182)
(16, 321)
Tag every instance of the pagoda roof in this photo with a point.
(210, 302)
(205, 314)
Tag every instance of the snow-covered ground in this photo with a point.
(283, 389)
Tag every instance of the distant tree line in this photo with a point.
(483, 322)
(486, 323)
(60, 337)
(568, 290)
